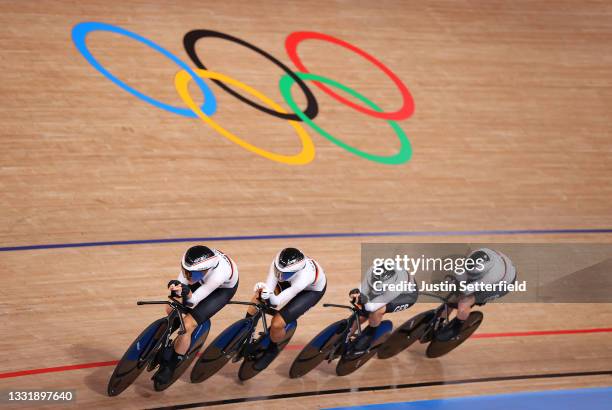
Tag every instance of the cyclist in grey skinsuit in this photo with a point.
(375, 301)
(494, 267)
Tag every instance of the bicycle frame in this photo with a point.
(441, 311)
(354, 318)
(177, 309)
(261, 310)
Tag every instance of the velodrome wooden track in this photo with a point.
(511, 132)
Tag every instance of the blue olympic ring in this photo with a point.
(79, 33)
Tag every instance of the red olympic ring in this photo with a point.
(404, 112)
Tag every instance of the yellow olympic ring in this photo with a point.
(181, 83)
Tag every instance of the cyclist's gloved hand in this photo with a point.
(355, 295)
(185, 291)
(358, 297)
(259, 286)
(266, 293)
(173, 285)
(174, 282)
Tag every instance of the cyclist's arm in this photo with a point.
(271, 280)
(303, 280)
(373, 306)
(214, 280)
(181, 278)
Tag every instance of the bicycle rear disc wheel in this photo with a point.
(348, 365)
(247, 371)
(317, 349)
(439, 348)
(405, 335)
(221, 350)
(349, 362)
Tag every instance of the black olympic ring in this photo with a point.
(312, 107)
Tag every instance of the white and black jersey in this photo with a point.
(310, 278)
(224, 275)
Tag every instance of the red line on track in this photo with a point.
(57, 369)
(30, 372)
(542, 333)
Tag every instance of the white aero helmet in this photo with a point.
(482, 260)
(288, 262)
(197, 261)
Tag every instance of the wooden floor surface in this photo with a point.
(511, 131)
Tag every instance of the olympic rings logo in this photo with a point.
(261, 102)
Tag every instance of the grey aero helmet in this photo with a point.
(482, 260)
(383, 276)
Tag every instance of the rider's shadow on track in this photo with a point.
(97, 380)
(412, 366)
(229, 372)
(328, 369)
(413, 358)
(282, 369)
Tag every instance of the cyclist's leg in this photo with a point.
(296, 307)
(363, 317)
(288, 314)
(202, 312)
(174, 354)
(277, 328)
(450, 308)
(464, 307)
(374, 318)
(182, 342)
(252, 310)
(454, 326)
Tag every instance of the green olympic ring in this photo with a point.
(405, 152)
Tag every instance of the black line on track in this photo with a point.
(378, 388)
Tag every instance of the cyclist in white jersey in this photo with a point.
(207, 281)
(300, 283)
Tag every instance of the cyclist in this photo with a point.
(490, 267)
(207, 281)
(300, 282)
(375, 302)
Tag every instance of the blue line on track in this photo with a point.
(312, 235)
(589, 398)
